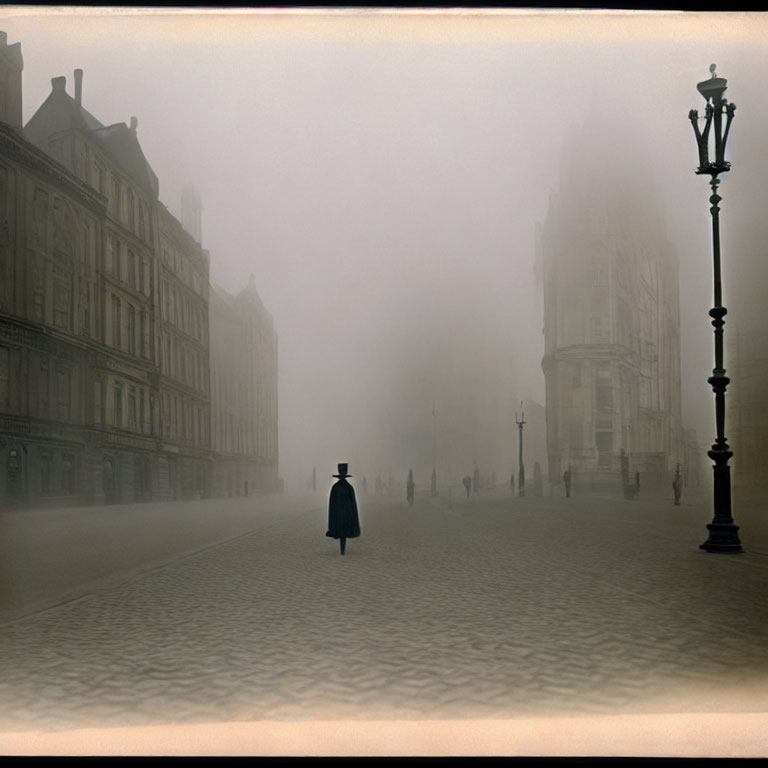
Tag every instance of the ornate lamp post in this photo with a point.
(520, 465)
(723, 534)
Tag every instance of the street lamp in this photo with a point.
(520, 466)
(723, 533)
(433, 486)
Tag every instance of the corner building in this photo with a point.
(611, 321)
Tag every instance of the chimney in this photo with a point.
(11, 66)
(79, 87)
(59, 83)
(134, 123)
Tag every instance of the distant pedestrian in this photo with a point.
(365, 486)
(567, 481)
(343, 520)
(676, 490)
(409, 488)
(677, 486)
(467, 482)
(512, 483)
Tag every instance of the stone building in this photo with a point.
(50, 223)
(243, 394)
(611, 321)
(184, 370)
(51, 227)
(104, 331)
(117, 306)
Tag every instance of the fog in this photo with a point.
(382, 176)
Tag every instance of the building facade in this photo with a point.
(611, 327)
(105, 380)
(185, 404)
(243, 394)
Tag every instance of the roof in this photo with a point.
(60, 113)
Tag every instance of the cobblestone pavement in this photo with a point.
(492, 607)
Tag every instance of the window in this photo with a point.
(43, 389)
(116, 198)
(131, 330)
(132, 409)
(645, 392)
(116, 329)
(86, 245)
(132, 269)
(118, 263)
(145, 289)
(598, 332)
(118, 406)
(63, 394)
(98, 401)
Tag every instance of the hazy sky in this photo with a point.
(382, 174)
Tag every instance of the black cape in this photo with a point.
(343, 521)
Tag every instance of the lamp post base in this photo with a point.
(723, 538)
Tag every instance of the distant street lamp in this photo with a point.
(520, 466)
(723, 533)
(433, 484)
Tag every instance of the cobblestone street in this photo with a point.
(491, 608)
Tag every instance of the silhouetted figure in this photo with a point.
(314, 479)
(365, 486)
(409, 488)
(677, 486)
(433, 488)
(467, 481)
(343, 520)
(512, 483)
(567, 481)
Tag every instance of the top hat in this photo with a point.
(343, 470)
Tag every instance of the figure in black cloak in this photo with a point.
(343, 521)
(409, 488)
(567, 481)
(467, 481)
